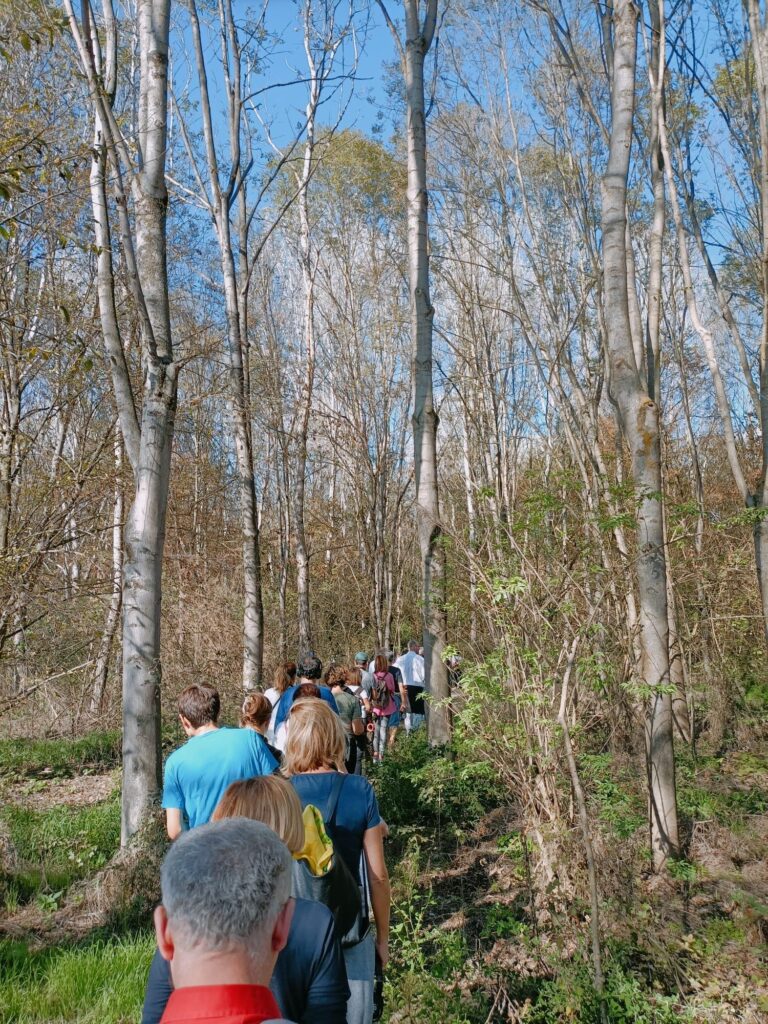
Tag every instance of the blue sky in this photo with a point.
(368, 105)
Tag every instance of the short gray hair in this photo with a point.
(224, 883)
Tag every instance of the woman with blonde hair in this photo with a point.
(314, 762)
(309, 980)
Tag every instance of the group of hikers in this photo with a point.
(275, 892)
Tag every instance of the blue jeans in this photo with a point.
(380, 735)
(360, 961)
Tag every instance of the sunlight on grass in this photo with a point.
(101, 983)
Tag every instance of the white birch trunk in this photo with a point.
(235, 305)
(101, 671)
(149, 436)
(640, 422)
(418, 39)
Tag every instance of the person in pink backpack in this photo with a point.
(382, 698)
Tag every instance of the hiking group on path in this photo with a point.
(275, 891)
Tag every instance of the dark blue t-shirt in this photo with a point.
(309, 981)
(356, 811)
(197, 774)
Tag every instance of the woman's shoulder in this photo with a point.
(358, 785)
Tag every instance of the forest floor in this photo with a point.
(476, 938)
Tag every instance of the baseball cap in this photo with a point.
(361, 658)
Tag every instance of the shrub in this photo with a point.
(420, 787)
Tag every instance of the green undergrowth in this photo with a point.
(728, 790)
(431, 791)
(98, 982)
(61, 758)
(459, 955)
(55, 847)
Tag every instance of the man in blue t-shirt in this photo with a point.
(197, 774)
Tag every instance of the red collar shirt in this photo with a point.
(221, 1004)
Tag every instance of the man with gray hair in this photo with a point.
(225, 916)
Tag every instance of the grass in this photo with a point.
(437, 974)
(58, 846)
(62, 758)
(100, 982)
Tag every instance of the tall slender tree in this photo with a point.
(147, 423)
(639, 415)
(419, 35)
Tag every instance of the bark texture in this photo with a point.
(639, 416)
(419, 35)
(147, 434)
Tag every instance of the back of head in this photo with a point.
(413, 646)
(361, 658)
(337, 676)
(381, 664)
(354, 676)
(310, 666)
(223, 886)
(285, 676)
(316, 738)
(256, 711)
(200, 705)
(307, 691)
(269, 799)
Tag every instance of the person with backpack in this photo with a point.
(309, 980)
(350, 713)
(314, 763)
(396, 720)
(382, 698)
(357, 688)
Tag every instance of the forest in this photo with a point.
(327, 325)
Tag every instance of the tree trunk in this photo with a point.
(640, 422)
(147, 439)
(759, 500)
(418, 39)
(235, 305)
(101, 672)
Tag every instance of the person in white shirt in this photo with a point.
(411, 665)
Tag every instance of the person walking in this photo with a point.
(400, 697)
(355, 687)
(350, 714)
(256, 714)
(225, 915)
(309, 980)
(285, 677)
(309, 671)
(361, 662)
(383, 705)
(197, 774)
(314, 761)
(411, 665)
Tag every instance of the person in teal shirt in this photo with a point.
(197, 774)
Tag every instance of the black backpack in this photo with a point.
(345, 896)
